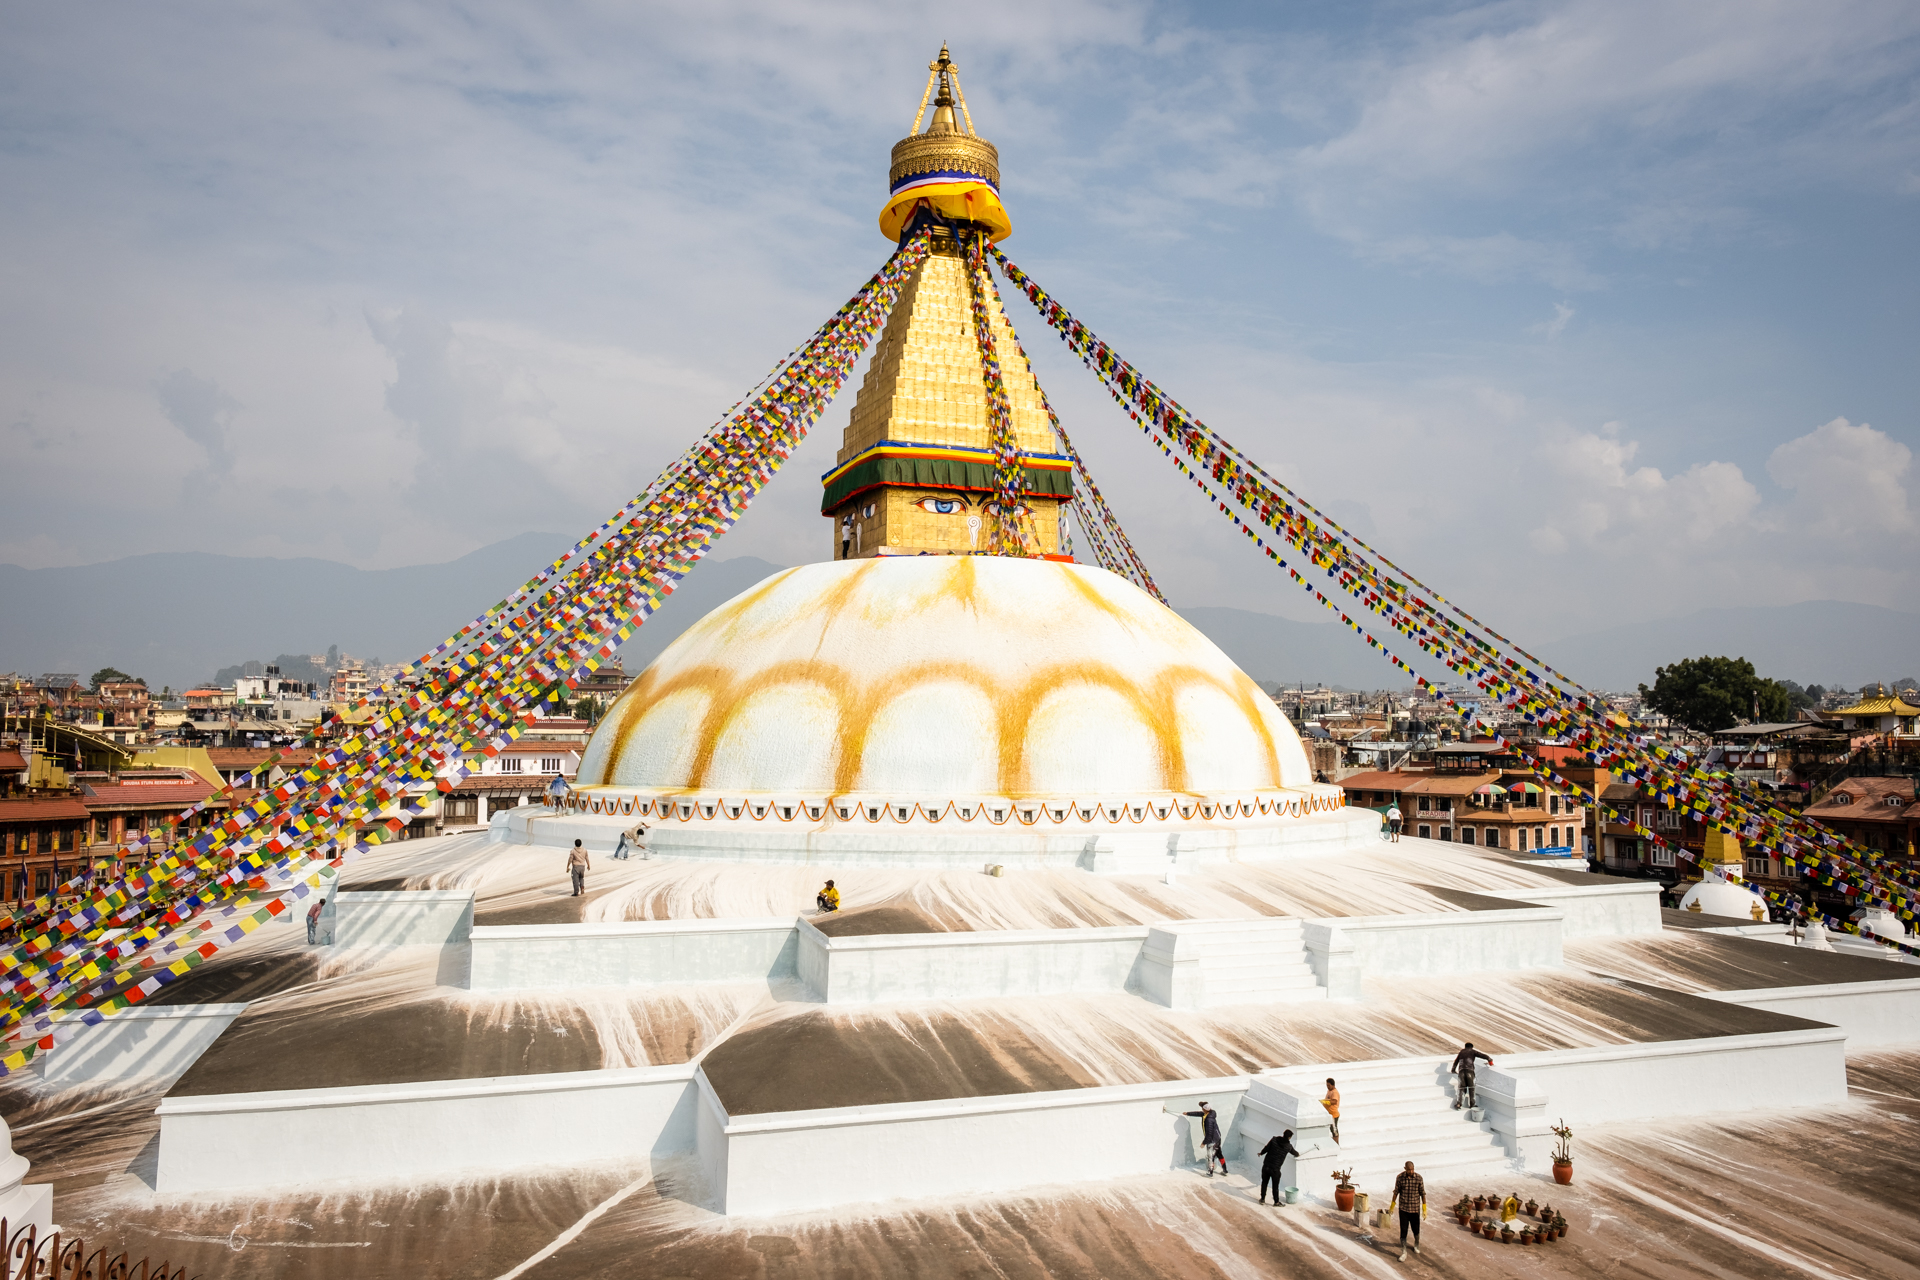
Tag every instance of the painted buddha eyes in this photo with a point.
(1019, 512)
(942, 506)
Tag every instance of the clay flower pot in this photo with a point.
(1533, 1208)
(1343, 1199)
(1563, 1172)
(1479, 1202)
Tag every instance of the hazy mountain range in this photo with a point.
(176, 618)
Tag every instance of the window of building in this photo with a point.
(1662, 855)
(549, 764)
(512, 764)
(1466, 835)
(1426, 833)
(1520, 838)
(1446, 833)
(1537, 834)
(1553, 804)
(42, 881)
(1758, 867)
(1669, 820)
(1493, 837)
(1841, 797)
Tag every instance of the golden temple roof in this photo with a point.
(1883, 704)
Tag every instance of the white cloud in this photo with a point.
(1606, 501)
(1551, 329)
(1847, 481)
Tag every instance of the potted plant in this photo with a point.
(1506, 1234)
(1532, 1208)
(1343, 1194)
(1563, 1154)
(1560, 1226)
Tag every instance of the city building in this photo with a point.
(1877, 813)
(1879, 711)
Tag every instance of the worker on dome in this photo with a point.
(828, 899)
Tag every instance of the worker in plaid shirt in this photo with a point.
(1410, 1193)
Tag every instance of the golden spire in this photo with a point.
(949, 168)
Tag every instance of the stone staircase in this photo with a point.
(1251, 961)
(1400, 1110)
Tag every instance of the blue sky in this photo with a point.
(1588, 312)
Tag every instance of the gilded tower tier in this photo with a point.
(915, 474)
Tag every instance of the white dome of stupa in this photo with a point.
(1882, 923)
(1718, 897)
(947, 710)
(945, 676)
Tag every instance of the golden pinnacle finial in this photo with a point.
(942, 74)
(949, 168)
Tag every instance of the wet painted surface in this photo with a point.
(1722, 962)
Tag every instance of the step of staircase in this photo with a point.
(1399, 1110)
(1253, 961)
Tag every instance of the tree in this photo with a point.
(1716, 693)
(113, 675)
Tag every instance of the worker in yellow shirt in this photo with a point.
(828, 899)
(1332, 1103)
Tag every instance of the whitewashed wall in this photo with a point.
(1763, 1073)
(960, 966)
(1344, 949)
(1871, 1013)
(1597, 910)
(143, 1045)
(804, 1160)
(406, 917)
(632, 954)
(441, 1128)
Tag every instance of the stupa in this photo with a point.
(951, 688)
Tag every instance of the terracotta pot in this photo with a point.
(1343, 1199)
(1479, 1202)
(1563, 1172)
(1533, 1208)
(1563, 1229)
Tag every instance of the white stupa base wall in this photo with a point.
(28, 1204)
(1872, 1014)
(437, 1129)
(1123, 846)
(961, 966)
(1596, 910)
(636, 954)
(142, 1045)
(803, 1160)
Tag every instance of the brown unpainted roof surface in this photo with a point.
(1378, 780)
(43, 809)
(10, 759)
(886, 918)
(159, 794)
(1452, 784)
(1727, 962)
(515, 782)
(806, 1057)
(1867, 799)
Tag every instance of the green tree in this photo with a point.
(106, 675)
(1716, 693)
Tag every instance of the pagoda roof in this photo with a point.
(1889, 704)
